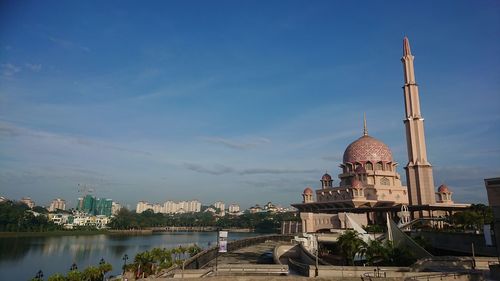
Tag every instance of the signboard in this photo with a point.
(222, 241)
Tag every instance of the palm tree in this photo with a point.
(74, 275)
(166, 258)
(56, 277)
(105, 268)
(376, 252)
(350, 244)
(193, 250)
(176, 252)
(182, 252)
(144, 262)
(92, 273)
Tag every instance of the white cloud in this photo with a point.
(9, 69)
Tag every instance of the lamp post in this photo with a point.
(39, 275)
(317, 254)
(102, 262)
(125, 258)
(73, 267)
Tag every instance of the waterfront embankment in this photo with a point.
(51, 233)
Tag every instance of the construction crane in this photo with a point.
(85, 189)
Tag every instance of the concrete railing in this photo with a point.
(265, 269)
(203, 258)
(301, 268)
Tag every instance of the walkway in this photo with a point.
(246, 255)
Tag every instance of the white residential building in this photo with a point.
(234, 208)
(115, 208)
(221, 206)
(143, 206)
(28, 201)
(170, 207)
(157, 208)
(57, 204)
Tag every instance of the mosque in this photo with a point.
(370, 187)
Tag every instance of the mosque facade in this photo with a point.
(370, 186)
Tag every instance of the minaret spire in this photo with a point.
(365, 130)
(419, 176)
(406, 47)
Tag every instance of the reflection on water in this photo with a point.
(22, 257)
(13, 249)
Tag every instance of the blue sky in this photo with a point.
(240, 101)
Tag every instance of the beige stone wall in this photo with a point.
(312, 222)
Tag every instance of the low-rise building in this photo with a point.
(255, 209)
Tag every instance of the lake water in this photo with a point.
(22, 257)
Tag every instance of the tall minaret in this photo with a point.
(419, 177)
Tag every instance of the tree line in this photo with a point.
(261, 222)
(17, 216)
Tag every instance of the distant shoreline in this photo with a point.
(7, 234)
(51, 233)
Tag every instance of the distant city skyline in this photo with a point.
(237, 101)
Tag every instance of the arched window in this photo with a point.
(349, 167)
(369, 166)
(378, 166)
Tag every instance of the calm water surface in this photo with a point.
(22, 257)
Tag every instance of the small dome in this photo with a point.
(356, 183)
(366, 149)
(326, 177)
(443, 188)
(308, 191)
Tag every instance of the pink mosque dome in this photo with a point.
(308, 191)
(365, 149)
(443, 188)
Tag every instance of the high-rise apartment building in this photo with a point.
(95, 206)
(115, 208)
(170, 207)
(220, 205)
(28, 201)
(234, 208)
(57, 204)
(143, 206)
